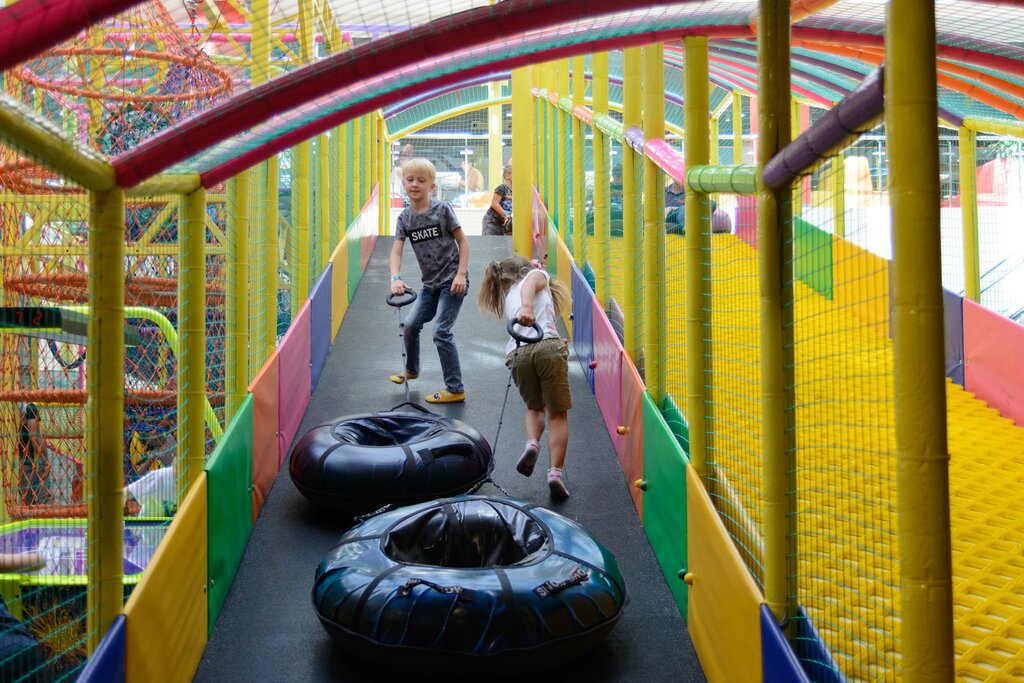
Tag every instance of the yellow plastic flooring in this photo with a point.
(846, 477)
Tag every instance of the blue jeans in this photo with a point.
(423, 311)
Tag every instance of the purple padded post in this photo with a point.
(635, 138)
(320, 325)
(854, 113)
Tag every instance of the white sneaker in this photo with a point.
(556, 482)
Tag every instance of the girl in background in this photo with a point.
(514, 289)
(498, 219)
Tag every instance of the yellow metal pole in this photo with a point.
(737, 127)
(383, 177)
(969, 213)
(105, 413)
(324, 192)
(632, 94)
(357, 166)
(267, 263)
(165, 184)
(236, 371)
(522, 162)
(698, 283)
(368, 154)
(839, 194)
(271, 281)
(774, 224)
(925, 565)
(345, 173)
(495, 126)
(713, 132)
(579, 148)
(302, 213)
(654, 224)
(83, 166)
(302, 179)
(192, 340)
(996, 127)
(561, 140)
(798, 186)
(599, 255)
(549, 141)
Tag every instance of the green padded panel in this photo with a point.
(229, 502)
(665, 500)
(355, 262)
(676, 422)
(812, 257)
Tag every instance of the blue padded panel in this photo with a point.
(107, 664)
(812, 652)
(319, 326)
(953, 317)
(778, 663)
(583, 322)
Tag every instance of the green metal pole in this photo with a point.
(105, 413)
(925, 564)
(774, 222)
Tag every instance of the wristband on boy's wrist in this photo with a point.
(395, 278)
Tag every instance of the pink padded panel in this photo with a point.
(266, 447)
(608, 375)
(294, 383)
(632, 453)
(992, 368)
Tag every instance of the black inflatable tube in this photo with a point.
(474, 584)
(360, 463)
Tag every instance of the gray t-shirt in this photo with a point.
(432, 234)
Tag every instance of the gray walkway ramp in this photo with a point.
(268, 630)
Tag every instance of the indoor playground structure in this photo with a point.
(792, 233)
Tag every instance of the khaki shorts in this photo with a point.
(541, 372)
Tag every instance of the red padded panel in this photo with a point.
(992, 368)
(631, 454)
(266, 447)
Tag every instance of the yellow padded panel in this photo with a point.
(167, 612)
(563, 264)
(724, 601)
(861, 284)
(339, 287)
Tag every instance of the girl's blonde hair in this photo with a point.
(421, 165)
(499, 276)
